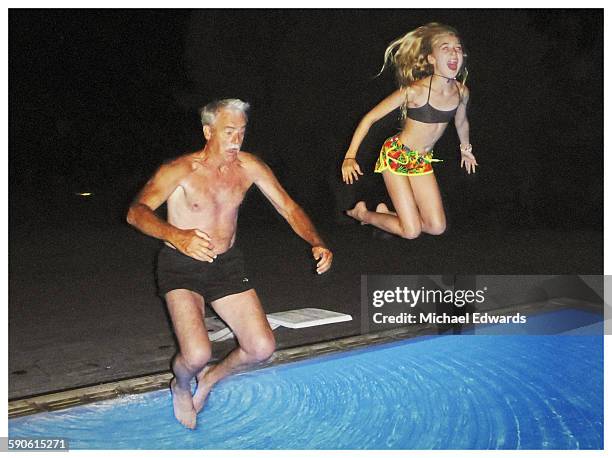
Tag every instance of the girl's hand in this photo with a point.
(467, 159)
(350, 170)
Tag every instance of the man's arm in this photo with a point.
(141, 213)
(264, 179)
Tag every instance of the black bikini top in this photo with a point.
(428, 114)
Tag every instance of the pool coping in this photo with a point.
(142, 384)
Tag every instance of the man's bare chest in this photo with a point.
(221, 192)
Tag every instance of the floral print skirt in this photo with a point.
(402, 160)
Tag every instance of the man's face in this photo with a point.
(226, 134)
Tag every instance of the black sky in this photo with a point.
(104, 96)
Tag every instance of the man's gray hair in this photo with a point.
(208, 113)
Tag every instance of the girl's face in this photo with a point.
(446, 56)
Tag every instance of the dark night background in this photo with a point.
(98, 99)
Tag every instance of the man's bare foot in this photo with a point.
(358, 211)
(183, 405)
(382, 208)
(201, 393)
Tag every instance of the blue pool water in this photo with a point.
(448, 392)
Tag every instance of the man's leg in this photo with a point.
(245, 316)
(186, 310)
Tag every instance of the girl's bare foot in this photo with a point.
(382, 208)
(358, 211)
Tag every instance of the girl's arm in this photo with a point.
(463, 131)
(461, 121)
(350, 167)
(379, 111)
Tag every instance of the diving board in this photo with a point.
(293, 319)
(305, 318)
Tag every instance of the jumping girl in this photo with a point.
(427, 62)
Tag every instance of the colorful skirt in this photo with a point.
(402, 160)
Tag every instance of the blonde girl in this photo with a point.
(427, 62)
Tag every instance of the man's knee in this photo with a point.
(197, 357)
(261, 348)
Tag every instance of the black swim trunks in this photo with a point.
(224, 276)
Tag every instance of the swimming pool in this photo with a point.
(447, 392)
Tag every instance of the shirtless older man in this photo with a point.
(199, 261)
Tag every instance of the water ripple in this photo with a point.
(451, 392)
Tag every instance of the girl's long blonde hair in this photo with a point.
(408, 54)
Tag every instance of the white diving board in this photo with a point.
(294, 319)
(305, 318)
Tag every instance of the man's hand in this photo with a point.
(324, 256)
(194, 243)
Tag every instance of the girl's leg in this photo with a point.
(417, 202)
(429, 201)
(406, 223)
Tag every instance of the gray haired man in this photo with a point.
(199, 261)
